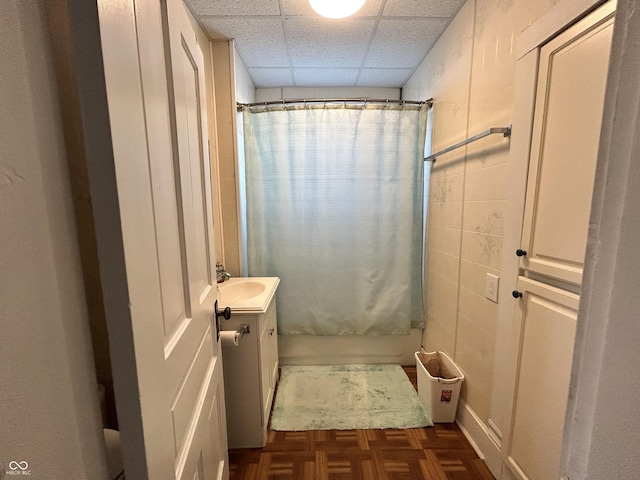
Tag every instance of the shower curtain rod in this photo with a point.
(364, 101)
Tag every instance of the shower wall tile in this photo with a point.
(232, 259)
(472, 275)
(444, 239)
(445, 185)
(486, 183)
(230, 213)
(437, 337)
(444, 75)
(480, 343)
(448, 215)
(442, 289)
(499, 24)
(484, 217)
(482, 248)
(482, 310)
(476, 388)
(494, 149)
(444, 264)
(444, 312)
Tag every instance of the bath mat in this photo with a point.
(346, 397)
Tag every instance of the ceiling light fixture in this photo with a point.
(336, 8)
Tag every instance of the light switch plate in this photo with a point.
(491, 287)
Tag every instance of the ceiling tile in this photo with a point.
(383, 77)
(328, 43)
(326, 77)
(403, 43)
(271, 77)
(371, 8)
(275, 36)
(265, 50)
(421, 8)
(234, 7)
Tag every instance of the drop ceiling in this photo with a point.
(284, 43)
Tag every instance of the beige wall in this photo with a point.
(470, 73)
(224, 66)
(48, 391)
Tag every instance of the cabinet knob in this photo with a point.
(271, 331)
(516, 294)
(520, 252)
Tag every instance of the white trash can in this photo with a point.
(439, 382)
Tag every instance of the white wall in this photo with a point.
(48, 397)
(291, 93)
(245, 89)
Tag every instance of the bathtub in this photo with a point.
(349, 349)
(240, 294)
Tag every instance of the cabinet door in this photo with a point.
(273, 348)
(267, 338)
(546, 324)
(566, 130)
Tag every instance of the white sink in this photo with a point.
(247, 294)
(240, 291)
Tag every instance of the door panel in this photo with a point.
(187, 395)
(192, 410)
(155, 84)
(190, 128)
(571, 84)
(547, 318)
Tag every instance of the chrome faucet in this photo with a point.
(221, 273)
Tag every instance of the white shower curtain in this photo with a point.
(334, 208)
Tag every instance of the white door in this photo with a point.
(167, 363)
(568, 114)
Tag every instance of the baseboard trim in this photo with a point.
(479, 437)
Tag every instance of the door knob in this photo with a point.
(226, 312)
(516, 294)
(520, 252)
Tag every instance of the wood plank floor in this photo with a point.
(438, 453)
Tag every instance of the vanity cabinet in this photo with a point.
(250, 376)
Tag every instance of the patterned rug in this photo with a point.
(346, 397)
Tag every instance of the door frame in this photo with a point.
(75, 35)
